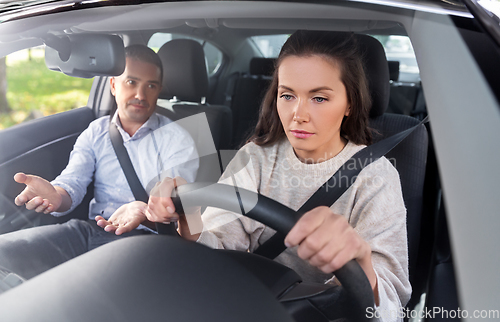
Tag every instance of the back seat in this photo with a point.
(185, 88)
(406, 97)
(249, 90)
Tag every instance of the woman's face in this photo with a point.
(312, 101)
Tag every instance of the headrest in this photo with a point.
(184, 70)
(393, 70)
(262, 66)
(377, 72)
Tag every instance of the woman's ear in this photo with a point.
(347, 111)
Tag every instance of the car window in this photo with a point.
(492, 6)
(213, 56)
(399, 48)
(270, 45)
(29, 90)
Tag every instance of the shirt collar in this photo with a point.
(150, 125)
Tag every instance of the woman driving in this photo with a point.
(314, 117)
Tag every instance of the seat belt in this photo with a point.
(331, 190)
(138, 190)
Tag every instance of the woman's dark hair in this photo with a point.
(340, 48)
(144, 54)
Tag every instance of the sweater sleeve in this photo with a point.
(227, 230)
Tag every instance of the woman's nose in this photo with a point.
(301, 112)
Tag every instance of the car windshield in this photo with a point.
(214, 79)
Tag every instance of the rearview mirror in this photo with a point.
(85, 55)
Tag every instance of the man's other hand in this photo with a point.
(125, 219)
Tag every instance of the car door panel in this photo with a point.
(40, 147)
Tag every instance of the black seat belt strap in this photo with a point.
(121, 153)
(341, 180)
(138, 190)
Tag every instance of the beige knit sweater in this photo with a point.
(373, 205)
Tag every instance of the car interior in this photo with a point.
(229, 96)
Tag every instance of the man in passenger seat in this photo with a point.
(157, 147)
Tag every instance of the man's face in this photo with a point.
(136, 91)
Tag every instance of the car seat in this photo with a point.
(249, 90)
(442, 290)
(404, 94)
(410, 156)
(185, 87)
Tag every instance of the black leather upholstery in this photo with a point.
(262, 66)
(393, 70)
(219, 119)
(409, 158)
(442, 292)
(185, 78)
(184, 70)
(377, 72)
(249, 91)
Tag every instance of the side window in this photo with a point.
(406, 94)
(213, 56)
(399, 48)
(270, 45)
(29, 90)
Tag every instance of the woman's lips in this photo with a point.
(301, 134)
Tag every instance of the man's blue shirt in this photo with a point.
(160, 148)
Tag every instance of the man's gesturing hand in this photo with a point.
(125, 219)
(39, 194)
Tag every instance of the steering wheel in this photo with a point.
(150, 278)
(355, 292)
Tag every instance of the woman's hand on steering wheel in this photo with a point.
(161, 209)
(328, 242)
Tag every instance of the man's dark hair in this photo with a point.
(340, 48)
(144, 54)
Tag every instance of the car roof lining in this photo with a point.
(207, 20)
(266, 17)
(211, 20)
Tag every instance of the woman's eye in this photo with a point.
(319, 99)
(286, 97)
